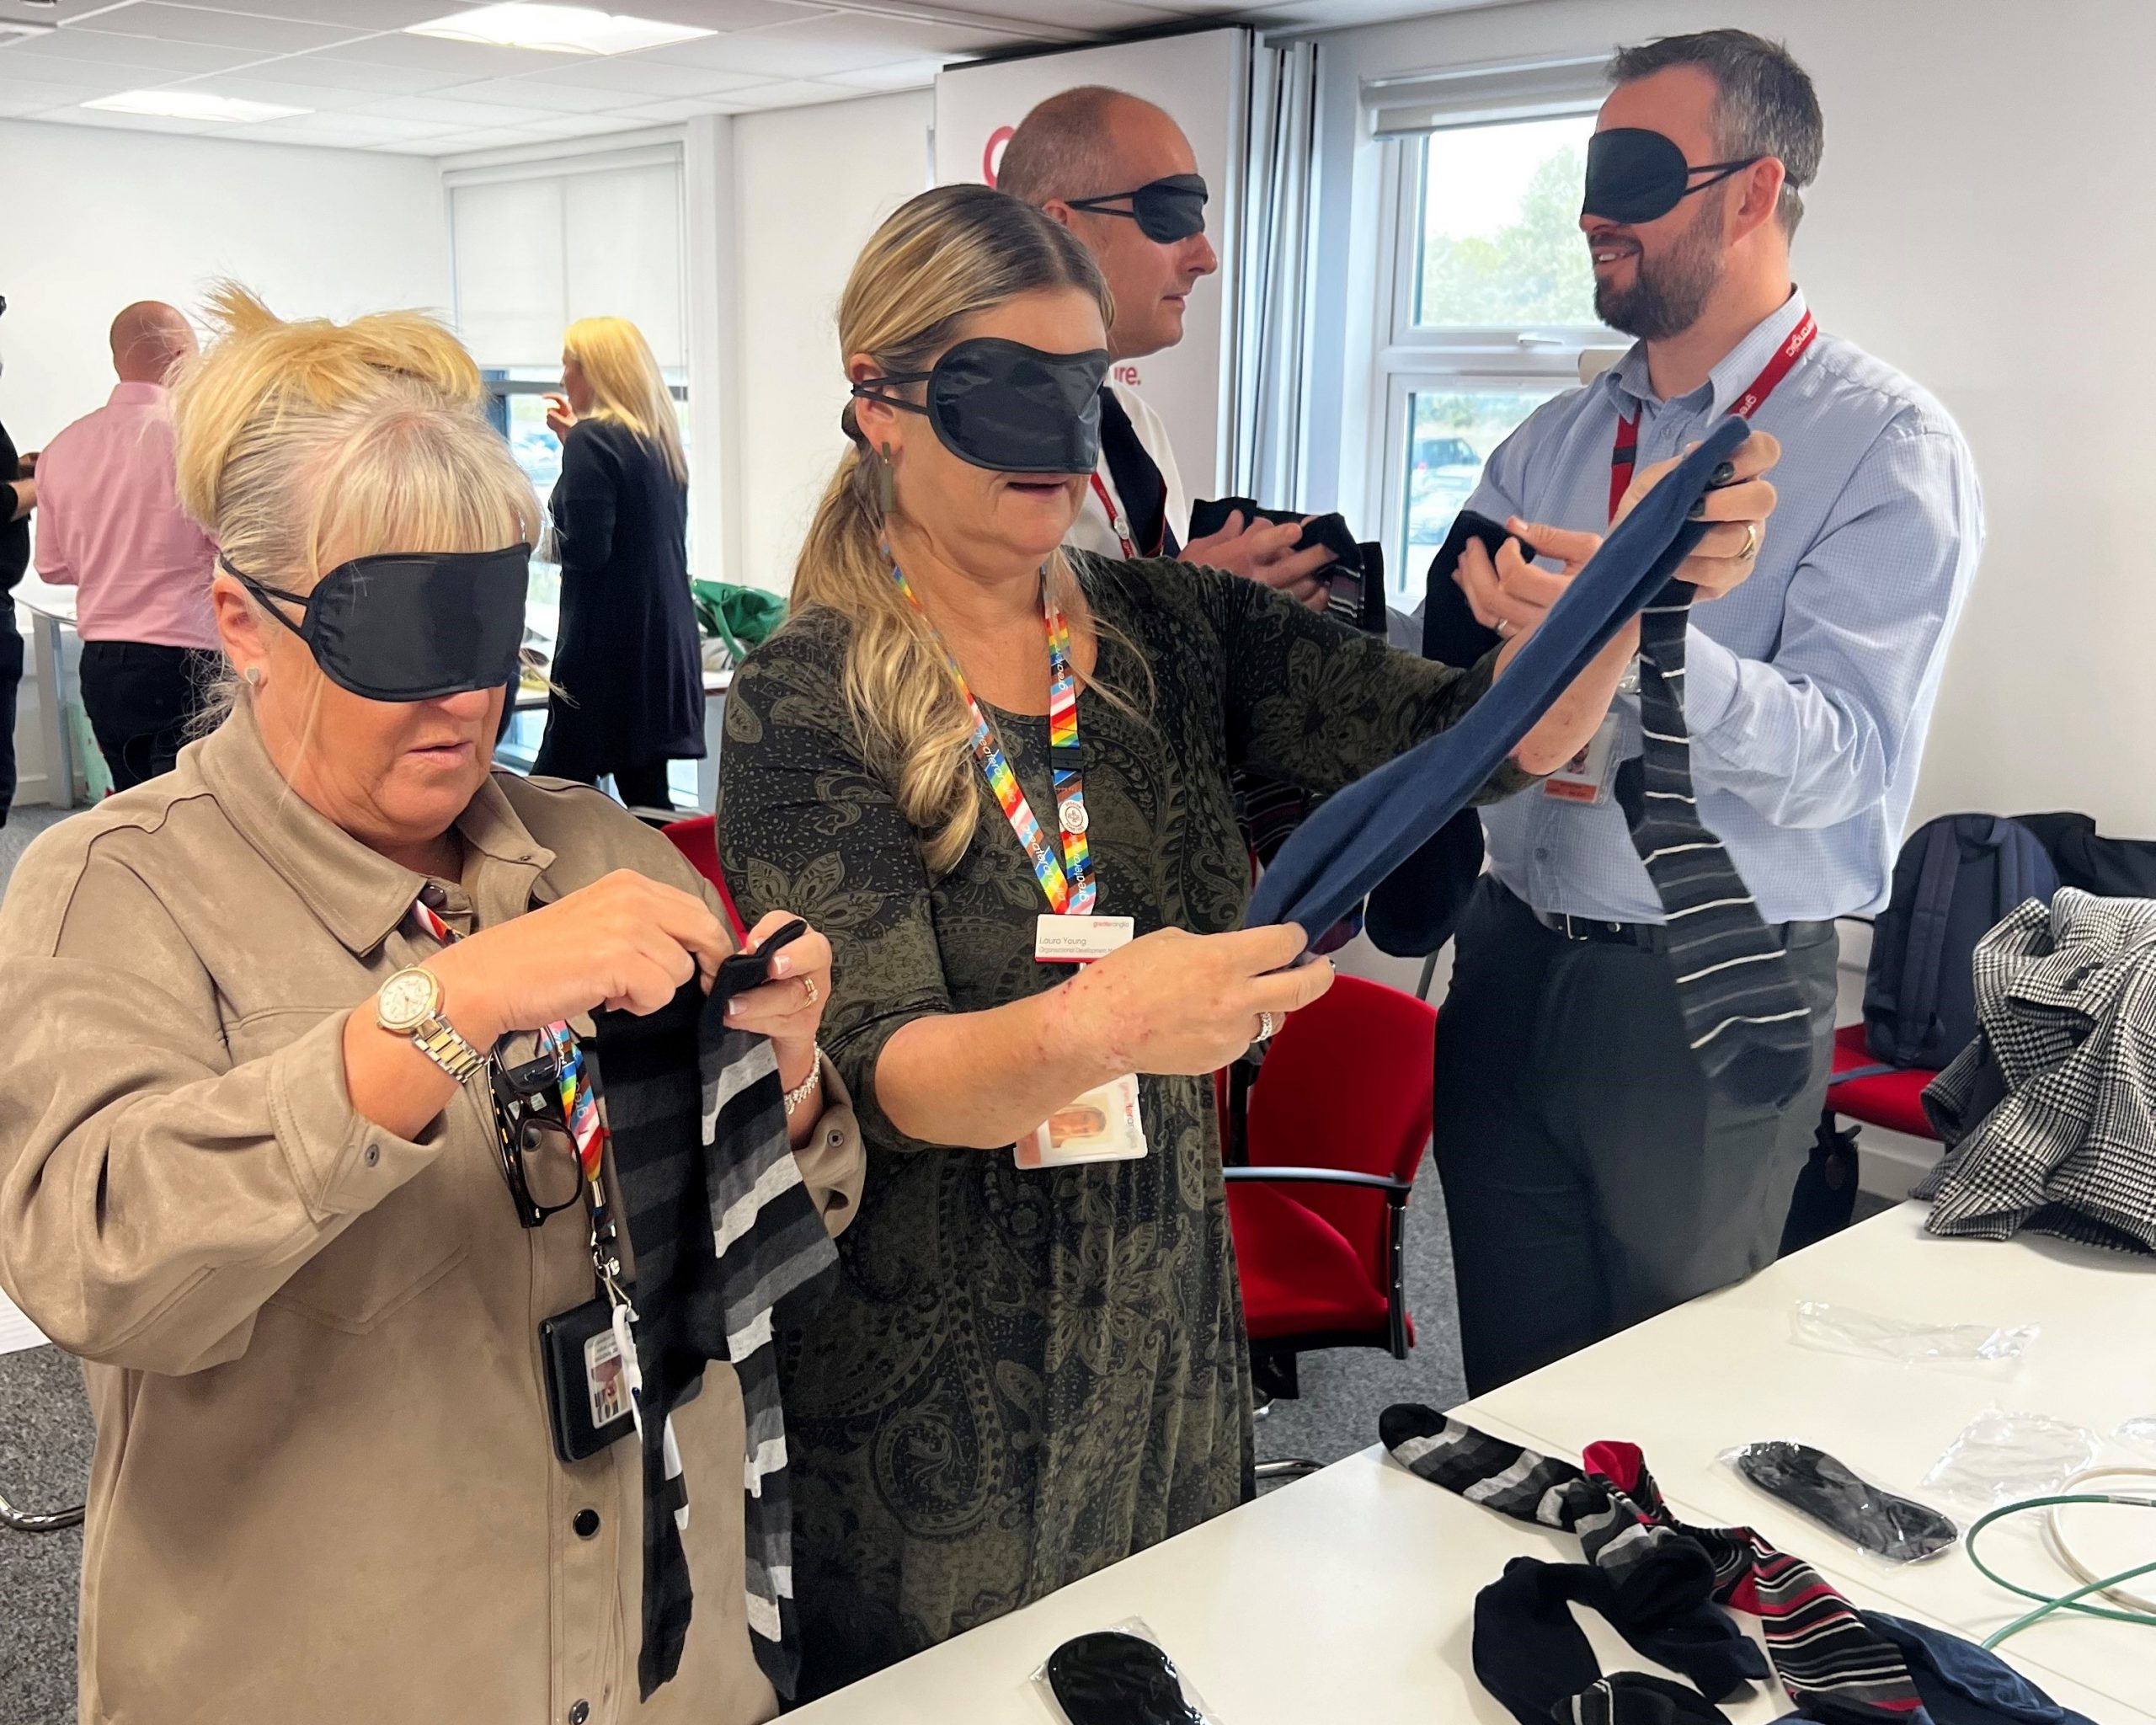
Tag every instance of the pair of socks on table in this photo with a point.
(730, 1251)
(1841, 1667)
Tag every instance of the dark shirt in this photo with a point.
(629, 658)
(14, 535)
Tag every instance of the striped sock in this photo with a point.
(1836, 1669)
(1742, 1013)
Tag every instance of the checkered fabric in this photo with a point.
(2050, 1116)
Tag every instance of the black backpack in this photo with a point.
(1955, 879)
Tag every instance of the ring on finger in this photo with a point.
(1266, 1024)
(1751, 542)
(810, 988)
(1505, 628)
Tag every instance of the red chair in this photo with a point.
(1891, 1100)
(1328, 1139)
(697, 839)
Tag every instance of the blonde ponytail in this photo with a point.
(941, 258)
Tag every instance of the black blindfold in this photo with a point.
(1007, 407)
(1165, 211)
(1634, 176)
(414, 626)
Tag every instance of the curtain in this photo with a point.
(1275, 290)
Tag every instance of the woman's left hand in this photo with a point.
(560, 415)
(789, 1008)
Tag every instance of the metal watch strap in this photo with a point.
(440, 1041)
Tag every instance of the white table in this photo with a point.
(1726, 1370)
(1348, 1596)
(52, 610)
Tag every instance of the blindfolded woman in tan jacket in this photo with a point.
(249, 1163)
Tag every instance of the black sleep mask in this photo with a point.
(1634, 176)
(412, 626)
(1109, 1678)
(1007, 407)
(1165, 211)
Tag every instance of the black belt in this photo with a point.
(1647, 937)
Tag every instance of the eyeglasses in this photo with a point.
(538, 1156)
(1165, 211)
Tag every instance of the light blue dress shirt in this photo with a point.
(1810, 689)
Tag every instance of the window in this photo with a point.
(1489, 298)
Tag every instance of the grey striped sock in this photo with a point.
(1743, 1015)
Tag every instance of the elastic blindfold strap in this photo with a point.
(268, 595)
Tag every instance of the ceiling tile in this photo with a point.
(329, 71)
(1103, 15)
(715, 14)
(355, 14)
(587, 125)
(899, 75)
(472, 60)
(636, 76)
(354, 128)
(842, 42)
(101, 48)
(225, 30)
(275, 90)
(797, 92)
(447, 111)
(19, 100)
(687, 108)
(105, 120)
(539, 92)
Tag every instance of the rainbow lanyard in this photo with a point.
(1069, 884)
(579, 1103)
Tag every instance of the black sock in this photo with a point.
(1528, 1651)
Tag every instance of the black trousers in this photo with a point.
(1591, 1179)
(11, 681)
(140, 698)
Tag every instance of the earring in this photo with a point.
(886, 488)
(253, 675)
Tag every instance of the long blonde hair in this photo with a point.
(627, 385)
(301, 446)
(941, 258)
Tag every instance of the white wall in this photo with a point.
(105, 217)
(1976, 223)
(810, 185)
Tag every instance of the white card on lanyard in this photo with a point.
(1590, 775)
(1102, 1126)
(1079, 940)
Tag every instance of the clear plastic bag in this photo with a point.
(1843, 1329)
(1871, 1518)
(2003, 1457)
(1109, 1676)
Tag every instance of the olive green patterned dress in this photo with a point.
(1027, 1375)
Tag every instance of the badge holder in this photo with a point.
(1103, 1125)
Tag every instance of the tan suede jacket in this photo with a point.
(324, 1489)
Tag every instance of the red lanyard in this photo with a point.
(1625, 449)
(1118, 525)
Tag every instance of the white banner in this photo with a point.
(1201, 79)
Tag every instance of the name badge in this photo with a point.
(1101, 1126)
(1587, 777)
(1079, 940)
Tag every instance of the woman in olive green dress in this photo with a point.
(1029, 1373)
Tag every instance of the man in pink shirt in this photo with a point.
(110, 525)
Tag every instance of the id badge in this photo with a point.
(1587, 777)
(1079, 940)
(604, 1381)
(1101, 1126)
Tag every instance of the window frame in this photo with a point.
(1411, 358)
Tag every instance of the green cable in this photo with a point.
(2063, 1602)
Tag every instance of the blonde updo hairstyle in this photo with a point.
(303, 444)
(942, 257)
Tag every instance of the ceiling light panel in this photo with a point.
(557, 29)
(176, 103)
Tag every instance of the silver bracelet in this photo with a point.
(799, 1093)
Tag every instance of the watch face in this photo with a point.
(408, 997)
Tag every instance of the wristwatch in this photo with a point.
(409, 1004)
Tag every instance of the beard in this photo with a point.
(1667, 293)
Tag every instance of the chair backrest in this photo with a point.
(1348, 1083)
(697, 840)
(1957, 877)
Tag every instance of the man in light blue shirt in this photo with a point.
(1591, 1176)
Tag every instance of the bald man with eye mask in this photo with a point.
(1119, 173)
